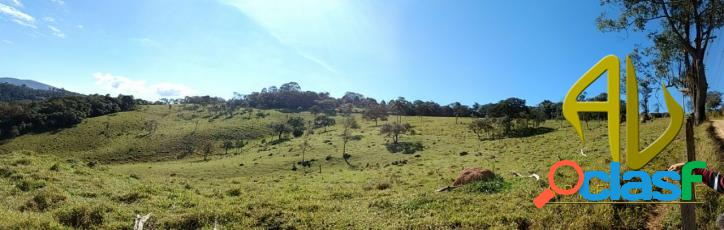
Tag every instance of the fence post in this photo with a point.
(688, 211)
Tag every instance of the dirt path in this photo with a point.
(719, 126)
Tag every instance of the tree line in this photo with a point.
(289, 97)
(10, 92)
(17, 118)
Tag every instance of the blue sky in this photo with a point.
(446, 51)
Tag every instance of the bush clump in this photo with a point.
(82, 216)
(494, 185)
(55, 167)
(44, 200)
(189, 221)
(234, 192)
(382, 186)
(404, 147)
(27, 185)
(130, 198)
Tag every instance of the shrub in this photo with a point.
(404, 147)
(6, 172)
(55, 167)
(234, 192)
(44, 200)
(189, 221)
(26, 185)
(82, 216)
(22, 162)
(494, 185)
(130, 198)
(382, 186)
(381, 204)
(273, 220)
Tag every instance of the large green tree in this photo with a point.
(679, 27)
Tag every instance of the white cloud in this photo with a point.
(139, 88)
(79, 26)
(8, 42)
(57, 32)
(49, 19)
(322, 31)
(17, 3)
(18, 16)
(319, 62)
(23, 23)
(147, 42)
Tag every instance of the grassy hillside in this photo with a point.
(58, 184)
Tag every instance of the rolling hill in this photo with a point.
(104, 171)
(29, 83)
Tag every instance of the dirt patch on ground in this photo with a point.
(471, 175)
(719, 128)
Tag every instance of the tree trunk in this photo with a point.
(344, 146)
(701, 89)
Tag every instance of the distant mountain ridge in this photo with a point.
(29, 83)
(12, 89)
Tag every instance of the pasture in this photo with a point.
(104, 171)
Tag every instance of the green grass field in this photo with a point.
(103, 172)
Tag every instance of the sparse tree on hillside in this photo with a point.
(645, 90)
(398, 106)
(323, 120)
(306, 145)
(280, 129)
(106, 129)
(538, 115)
(227, 145)
(645, 80)
(188, 143)
(239, 145)
(315, 109)
(150, 126)
(375, 113)
(296, 124)
(549, 109)
(713, 101)
(249, 112)
(480, 127)
(207, 148)
(459, 110)
(349, 124)
(394, 130)
(507, 123)
(346, 109)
